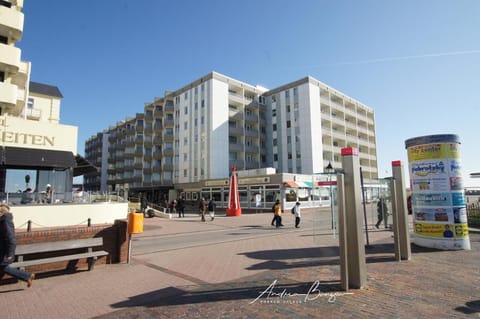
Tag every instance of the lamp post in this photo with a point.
(330, 170)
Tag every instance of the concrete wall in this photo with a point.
(68, 214)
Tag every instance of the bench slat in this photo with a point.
(27, 263)
(58, 245)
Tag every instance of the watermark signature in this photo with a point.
(274, 295)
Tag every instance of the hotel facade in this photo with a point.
(38, 154)
(280, 140)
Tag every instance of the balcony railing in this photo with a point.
(35, 114)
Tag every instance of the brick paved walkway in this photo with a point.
(434, 284)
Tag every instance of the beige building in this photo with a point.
(36, 149)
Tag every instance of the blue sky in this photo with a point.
(416, 63)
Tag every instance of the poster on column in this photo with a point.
(438, 199)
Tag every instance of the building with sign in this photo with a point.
(38, 154)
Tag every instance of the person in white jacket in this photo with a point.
(296, 211)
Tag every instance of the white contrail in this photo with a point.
(398, 58)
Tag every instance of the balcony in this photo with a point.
(33, 114)
(168, 152)
(168, 123)
(235, 131)
(235, 115)
(9, 58)
(12, 22)
(8, 93)
(167, 167)
(158, 128)
(235, 147)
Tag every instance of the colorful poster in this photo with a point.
(438, 197)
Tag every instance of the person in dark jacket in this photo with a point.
(382, 212)
(181, 207)
(143, 203)
(202, 207)
(7, 247)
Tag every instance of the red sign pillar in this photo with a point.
(234, 208)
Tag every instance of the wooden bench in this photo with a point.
(59, 246)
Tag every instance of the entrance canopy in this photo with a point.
(28, 157)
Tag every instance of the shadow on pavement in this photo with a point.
(251, 292)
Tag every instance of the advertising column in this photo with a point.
(438, 197)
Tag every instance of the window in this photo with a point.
(185, 125)
(185, 141)
(202, 120)
(275, 157)
(274, 127)
(185, 95)
(289, 123)
(203, 103)
(287, 94)
(196, 106)
(30, 102)
(274, 112)
(185, 110)
(295, 91)
(2, 77)
(288, 108)
(185, 157)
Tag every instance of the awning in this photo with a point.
(305, 184)
(83, 166)
(290, 184)
(28, 157)
(299, 184)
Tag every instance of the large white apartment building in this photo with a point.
(311, 122)
(198, 132)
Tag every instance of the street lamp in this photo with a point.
(330, 170)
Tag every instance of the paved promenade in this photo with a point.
(298, 268)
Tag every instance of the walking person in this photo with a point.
(181, 207)
(143, 203)
(278, 214)
(296, 211)
(211, 208)
(273, 211)
(173, 205)
(382, 211)
(7, 247)
(202, 206)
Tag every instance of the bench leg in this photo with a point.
(91, 262)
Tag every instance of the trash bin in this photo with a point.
(135, 223)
